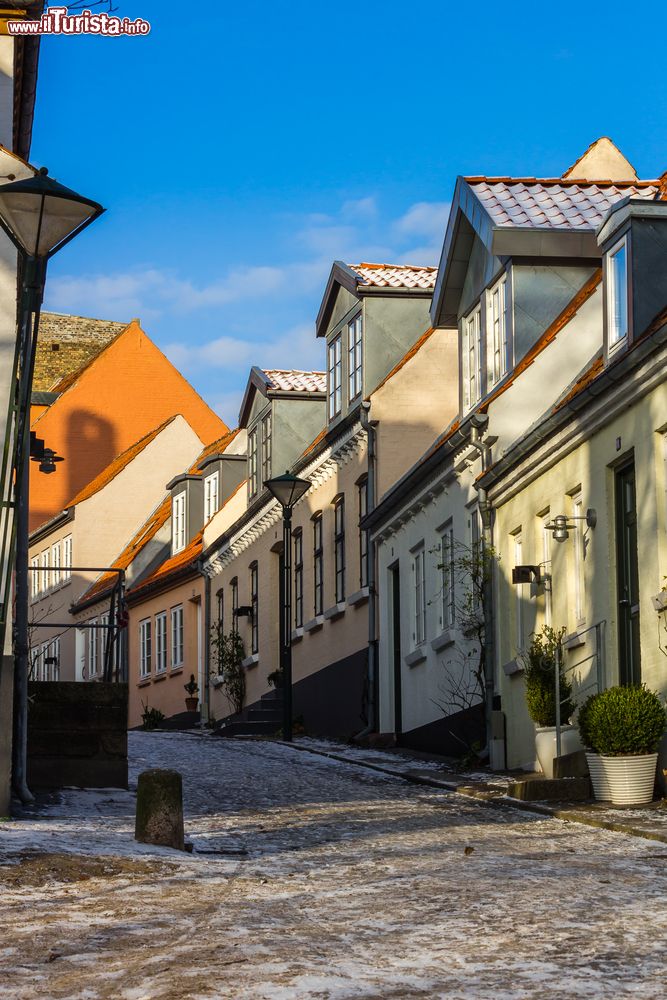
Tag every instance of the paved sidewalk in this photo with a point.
(649, 822)
(317, 878)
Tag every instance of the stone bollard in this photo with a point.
(159, 818)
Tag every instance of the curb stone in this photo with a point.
(487, 798)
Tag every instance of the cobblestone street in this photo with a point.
(316, 878)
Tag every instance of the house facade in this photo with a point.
(382, 398)
(520, 280)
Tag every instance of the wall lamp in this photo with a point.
(244, 611)
(561, 525)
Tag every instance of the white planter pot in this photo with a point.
(545, 745)
(625, 781)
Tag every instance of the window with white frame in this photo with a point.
(55, 565)
(221, 610)
(354, 356)
(177, 637)
(617, 293)
(252, 462)
(339, 549)
(145, 647)
(105, 639)
(36, 664)
(55, 659)
(235, 605)
(447, 584)
(363, 534)
(476, 543)
(335, 377)
(211, 495)
(578, 557)
(298, 578)
(43, 661)
(67, 558)
(45, 574)
(472, 327)
(178, 515)
(34, 578)
(254, 604)
(517, 545)
(419, 571)
(266, 447)
(546, 567)
(318, 566)
(161, 642)
(498, 330)
(93, 649)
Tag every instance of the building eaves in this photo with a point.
(121, 462)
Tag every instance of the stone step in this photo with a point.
(265, 715)
(274, 694)
(551, 789)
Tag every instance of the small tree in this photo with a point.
(545, 650)
(227, 655)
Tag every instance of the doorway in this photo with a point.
(627, 562)
(395, 591)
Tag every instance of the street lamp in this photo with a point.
(287, 490)
(40, 216)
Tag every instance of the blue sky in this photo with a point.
(239, 152)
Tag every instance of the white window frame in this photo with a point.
(419, 599)
(145, 647)
(267, 445)
(615, 337)
(44, 668)
(355, 356)
(93, 650)
(447, 577)
(335, 377)
(578, 556)
(104, 638)
(67, 558)
(178, 516)
(55, 647)
(547, 540)
(517, 543)
(497, 326)
(45, 575)
(56, 576)
(252, 462)
(161, 642)
(177, 636)
(211, 495)
(472, 341)
(35, 578)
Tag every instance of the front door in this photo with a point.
(396, 644)
(627, 576)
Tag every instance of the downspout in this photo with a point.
(371, 457)
(479, 425)
(206, 700)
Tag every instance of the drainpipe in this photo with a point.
(206, 693)
(371, 453)
(479, 423)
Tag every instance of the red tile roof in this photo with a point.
(118, 464)
(293, 380)
(396, 275)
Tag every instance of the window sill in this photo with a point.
(416, 656)
(144, 682)
(335, 611)
(314, 624)
(162, 676)
(446, 638)
(359, 597)
(176, 670)
(513, 668)
(297, 635)
(250, 661)
(574, 641)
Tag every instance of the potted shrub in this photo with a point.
(192, 690)
(621, 729)
(540, 675)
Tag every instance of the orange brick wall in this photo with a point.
(126, 392)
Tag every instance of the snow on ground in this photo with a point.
(321, 879)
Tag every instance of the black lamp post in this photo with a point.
(39, 216)
(287, 490)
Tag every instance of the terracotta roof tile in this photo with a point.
(173, 565)
(396, 275)
(552, 203)
(584, 380)
(293, 380)
(118, 464)
(212, 449)
(416, 347)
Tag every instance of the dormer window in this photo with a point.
(252, 462)
(355, 356)
(335, 388)
(472, 340)
(178, 512)
(266, 448)
(497, 322)
(617, 293)
(211, 495)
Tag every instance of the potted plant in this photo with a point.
(540, 675)
(621, 729)
(192, 690)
